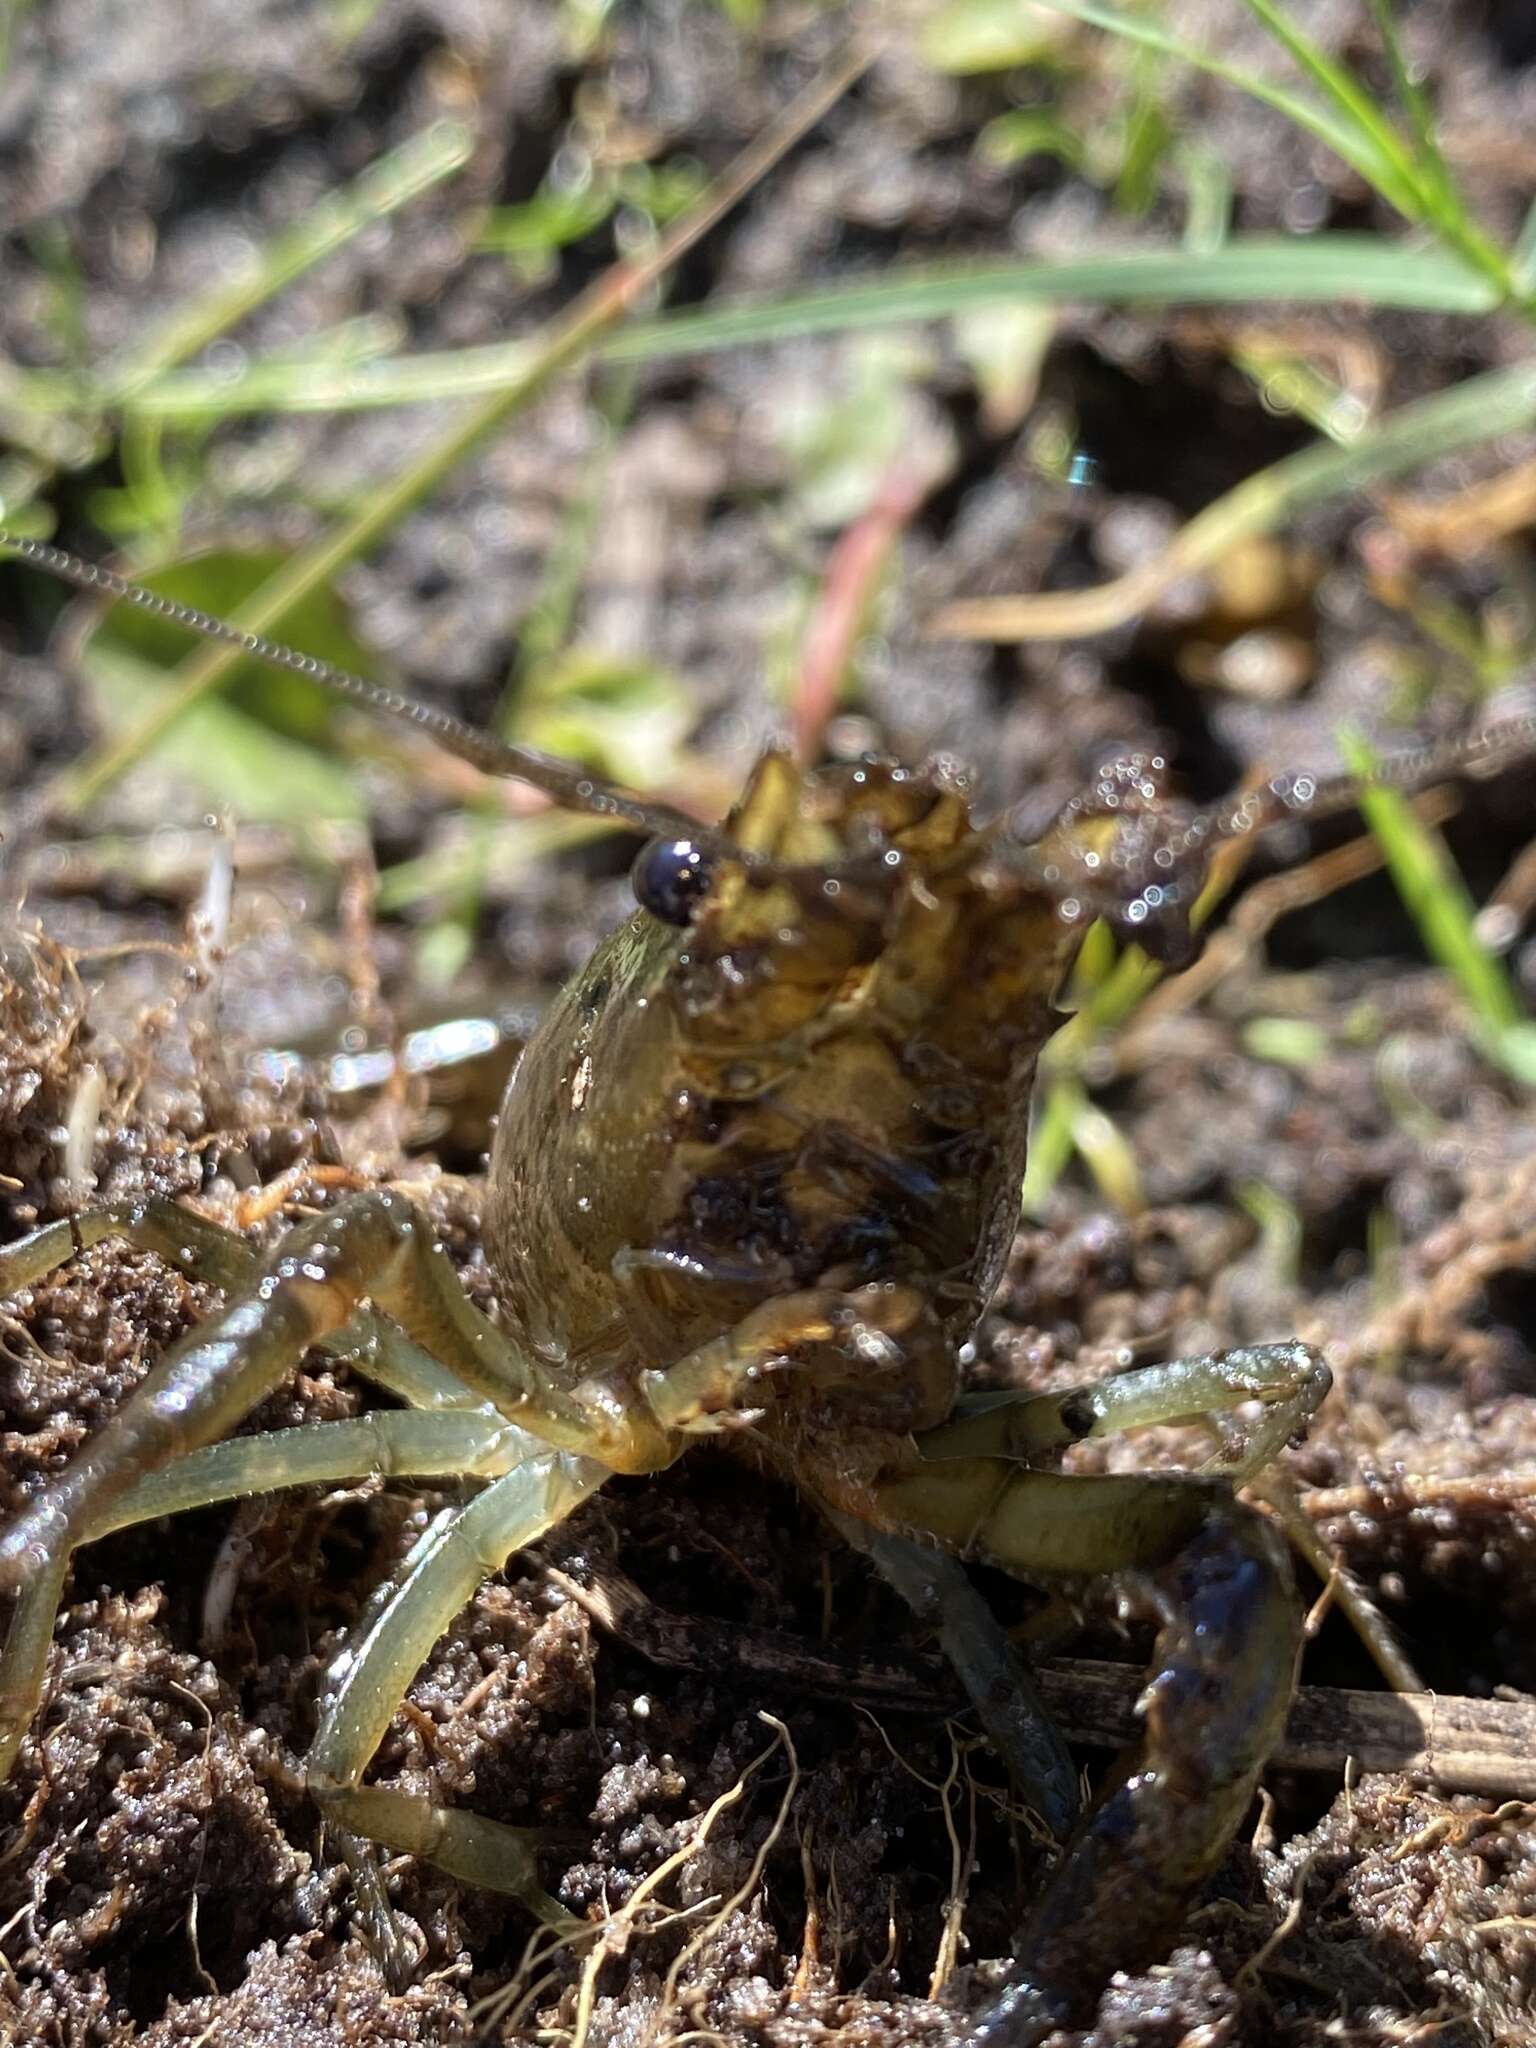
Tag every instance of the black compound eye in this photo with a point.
(671, 878)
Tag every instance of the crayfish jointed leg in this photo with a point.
(440, 1575)
(1289, 1379)
(1224, 1667)
(156, 1457)
(1226, 1650)
(372, 1246)
(1229, 1638)
(385, 1443)
(939, 1591)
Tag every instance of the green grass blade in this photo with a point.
(1051, 1143)
(545, 628)
(1412, 97)
(1356, 146)
(519, 844)
(1281, 1231)
(1067, 1123)
(1441, 201)
(1436, 897)
(1295, 384)
(1207, 196)
(1109, 1156)
(1364, 268)
(1522, 258)
(417, 165)
(1359, 269)
(1353, 103)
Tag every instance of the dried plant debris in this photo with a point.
(42, 1065)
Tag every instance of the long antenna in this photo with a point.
(565, 782)
(1289, 796)
(1148, 886)
(569, 785)
(1489, 752)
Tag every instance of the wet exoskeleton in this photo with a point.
(755, 1178)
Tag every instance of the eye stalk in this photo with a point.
(671, 878)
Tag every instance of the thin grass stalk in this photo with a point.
(567, 341)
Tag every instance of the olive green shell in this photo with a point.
(817, 1082)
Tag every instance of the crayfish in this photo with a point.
(754, 1180)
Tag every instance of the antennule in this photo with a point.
(1415, 768)
(569, 785)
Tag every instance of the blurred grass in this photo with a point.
(1072, 1122)
(1405, 170)
(438, 152)
(1437, 899)
(427, 159)
(153, 410)
(1325, 269)
(532, 234)
(1280, 1229)
(565, 342)
(1396, 152)
(448, 891)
